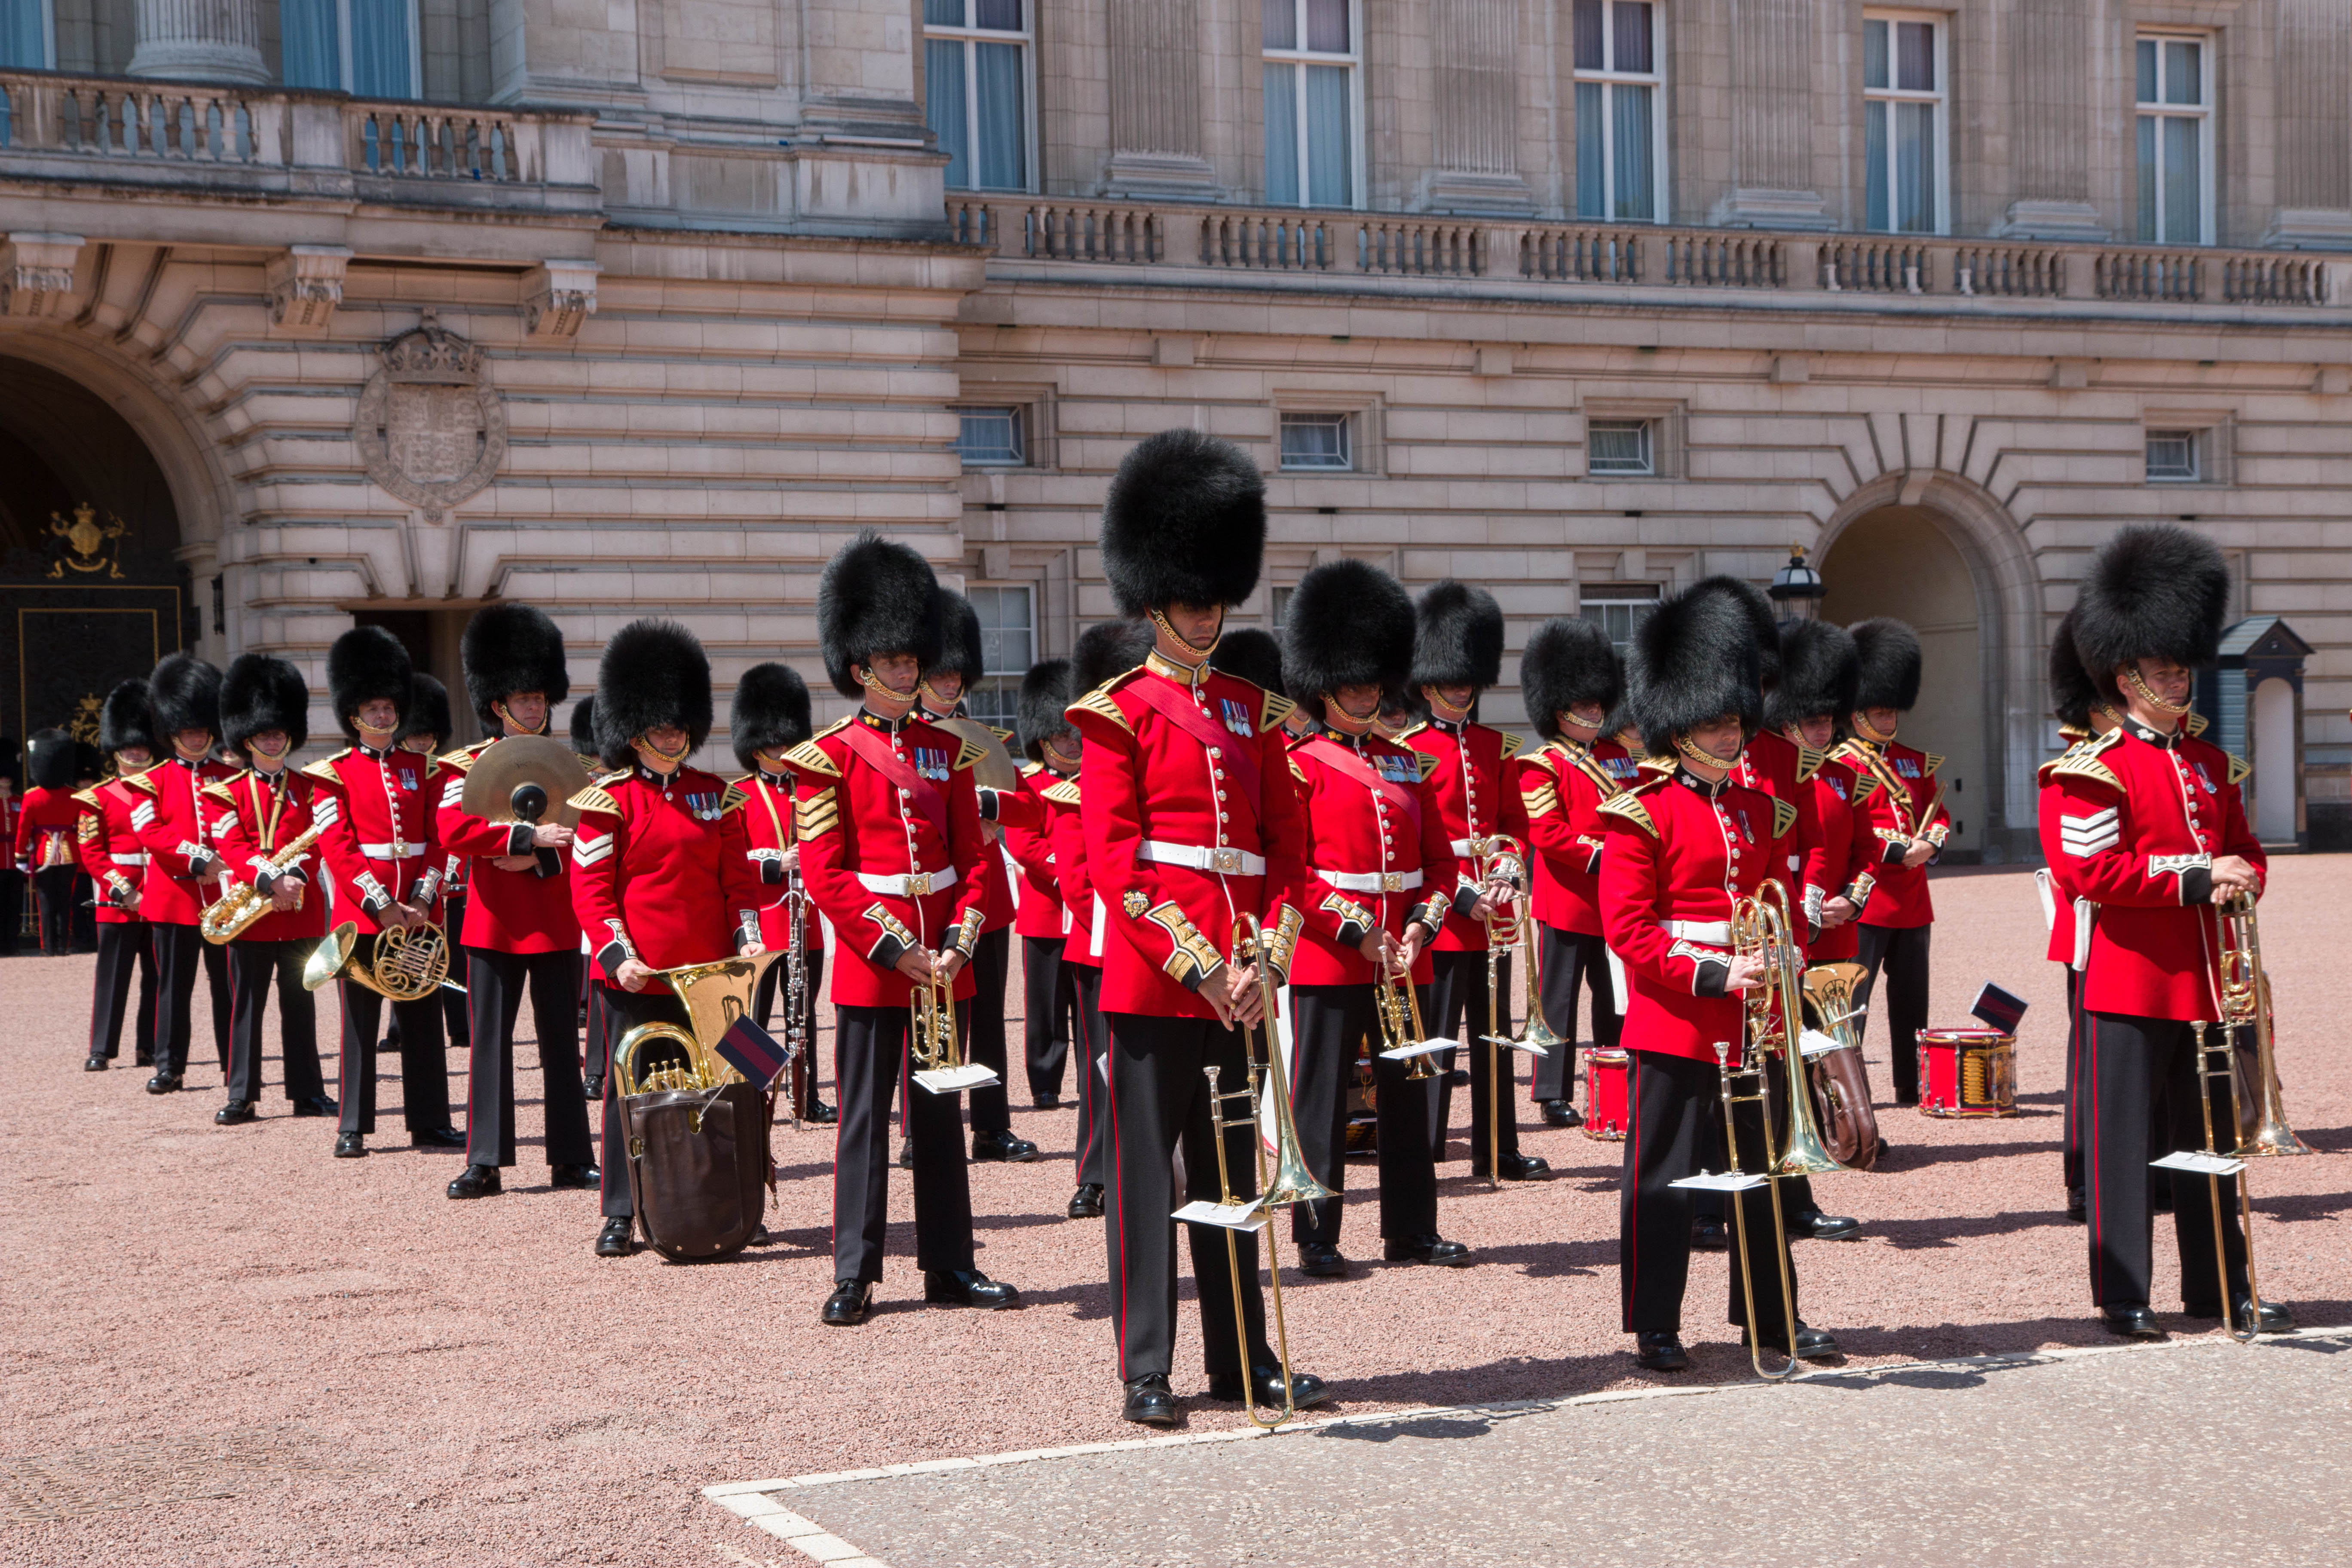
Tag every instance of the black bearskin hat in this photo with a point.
(654, 673)
(1183, 523)
(1252, 655)
(959, 639)
(876, 596)
(2073, 692)
(2154, 591)
(1820, 673)
(88, 764)
(584, 726)
(770, 712)
(366, 663)
(1756, 605)
(11, 758)
(429, 710)
(1692, 661)
(1350, 624)
(509, 649)
(125, 719)
(1458, 638)
(1570, 663)
(262, 693)
(1889, 654)
(50, 759)
(1107, 648)
(1046, 690)
(184, 694)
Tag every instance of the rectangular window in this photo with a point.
(976, 90)
(1620, 447)
(366, 47)
(1617, 608)
(1902, 75)
(991, 439)
(2172, 456)
(25, 41)
(1311, 441)
(2175, 136)
(1309, 74)
(1008, 646)
(1621, 106)
(1281, 609)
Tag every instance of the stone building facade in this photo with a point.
(338, 310)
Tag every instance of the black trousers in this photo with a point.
(598, 1045)
(11, 911)
(252, 966)
(1572, 960)
(2074, 1157)
(1459, 992)
(2140, 1092)
(53, 892)
(179, 950)
(992, 962)
(623, 1011)
(1902, 952)
(122, 945)
(1049, 996)
(1159, 1102)
(763, 1007)
(869, 1053)
(494, 985)
(424, 1057)
(1671, 1133)
(1327, 1023)
(85, 914)
(1093, 1038)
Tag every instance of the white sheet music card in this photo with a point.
(954, 1081)
(1726, 1181)
(1509, 1044)
(1405, 1053)
(1246, 1216)
(1815, 1043)
(2198, 1162)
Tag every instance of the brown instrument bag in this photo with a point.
(698, 1168)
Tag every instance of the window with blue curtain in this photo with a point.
(1903, 123)
(976, 90)
(24, 34)
(381, 31)
(2171, 142)
(366, 47)
(1307, 79)
(311, 40)
(1620, 97)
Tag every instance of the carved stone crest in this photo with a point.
(430, 428)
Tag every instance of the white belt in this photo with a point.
(127, 860)
(1373, 881)
(911, 887)
(1225, 862)
(398, 849)
(1712, 933)
(1466, 848)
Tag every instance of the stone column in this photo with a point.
(1155, 102)
(1772, 119)
(1474, 51)
(199, 40)
(2314, 120)
(2051, 123)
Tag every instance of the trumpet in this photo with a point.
(1397, 1006)
(931, 1025)
(1498, 855)
(239, 905)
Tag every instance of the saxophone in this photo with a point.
(239, 905)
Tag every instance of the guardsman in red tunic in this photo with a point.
(1905, 823)
(1049, 999)
(769, 717)
(1458, 653)
(264, 812)
(598, 1046)
(1569, 678)
(659, 874)
(1191, 821)
(175, 826)
(1378, 878)
(116, 864)
(891, 847)
(2152, 830)
(1683, 847)
(12, 881)
(2084, 714)
(45, 835)
(515, 918)
(428, 731)
(387, 864)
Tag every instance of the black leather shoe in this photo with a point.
(2077, 1211)
(144, 1059)
(1459, 1078)
(906, 1153)
(1149, 1403)
(1046, 1101)
(351, 1146)
(2274, 1319)
(821, 1114)
(613, 1240)
(477, 1181)
(317, 1105)
(164, 1083)
(1517, 1168)
(2131, 1323)
(1002, 1147)
(437, 1138)
(1265, 1383)
(592, 1090)
(1086, 1201)
(1660, 1352)
(574, 1175)
(847, 1306)
(1813, 1344)
(235, 1113)
(1561, 1114)
(1319, 1261)
(1707, 1235)
(1819, 1226)
(94, 1064)
(967, 1288)
(1427, 1249)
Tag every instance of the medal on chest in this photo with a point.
(1906, 768)
(1237, 718)
(931, 764)
(1397, 770)
(704, 807)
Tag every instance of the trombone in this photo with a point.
(1497, 853)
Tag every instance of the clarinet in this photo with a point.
(797, 1060)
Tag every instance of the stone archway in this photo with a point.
(1940, 552)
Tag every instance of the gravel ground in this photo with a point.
(325, 1361)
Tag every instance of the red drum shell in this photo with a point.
(1968, 1072)
(1607, 1094)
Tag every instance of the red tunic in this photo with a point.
(1027, 822)
(659, 871)
(1555, 806)
(2141, 818)
(173, 823)
(878, 865)
(1843, 862)
(1084, 918)
(380, 848)
(111, 855)
(1184, 834)
(1680, 851)
(2057, 884)
(256, 825)
(1376, 859)
(1468, 783)
(46, 830)
(767, 848)
(506, 912)
(1895, 814)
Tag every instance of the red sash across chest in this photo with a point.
(921, 794)
(1200, 727)
(1333, 754)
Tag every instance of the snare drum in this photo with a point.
(1968, 1072)
(1605, 1095)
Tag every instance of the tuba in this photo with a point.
(2246, 1004)
(1502, 859)
(409, 964)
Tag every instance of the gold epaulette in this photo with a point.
(1809, 762)
(1003, 735)
(1409, 731)
(2070, 734)
(458, 761)
(1512, 741)
(808, 757)
(1273, 711)
(218, 791)
(323, 770)
(145, 782)
(1665, 765)
(87, 796)
(971, 752)
(594, 798)
(1627, 803)
(1097, 702)
(1928, 762)
(1065, 792)
(1427, 763)
(733, 799)
(2239, 767)
(1029, 770)
(1784, 817)
(2082, 761)
(1296, 771)
(1865, 784)
(2196, 724)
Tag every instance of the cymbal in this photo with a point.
(994, 771)
(506, 766)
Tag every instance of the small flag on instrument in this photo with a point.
(751, 1051)
(1999, 1008)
